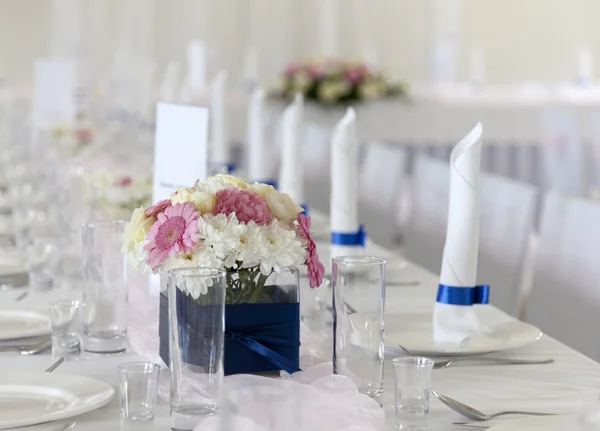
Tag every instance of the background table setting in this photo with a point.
(379, 379)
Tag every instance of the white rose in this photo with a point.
(205, 201)
(283, 206)
(137, 229)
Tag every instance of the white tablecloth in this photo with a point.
(562, 387)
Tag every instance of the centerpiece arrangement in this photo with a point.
(260, 237)
(115, 197)
(75, 138)
(335, 82)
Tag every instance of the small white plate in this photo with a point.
(539, 423)
(414, 332)
(33, 398)
(23, 322)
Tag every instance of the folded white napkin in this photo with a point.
(259, 168)
(218, 121)
(344, 182)
(454, 323)
(291, 174)
(170, 83)
(196, 62)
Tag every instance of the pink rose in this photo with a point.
(246, 204)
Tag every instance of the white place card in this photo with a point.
(180, 149)
(55, 91)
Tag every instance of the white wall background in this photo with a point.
(523, 40)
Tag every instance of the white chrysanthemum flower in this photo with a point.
(137, 257)
(205, 258)
(221, 233)
(253, 246)
(284, 250)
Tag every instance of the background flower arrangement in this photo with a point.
(77, 137)
(116, 197)
(333, 82)
(250, 230)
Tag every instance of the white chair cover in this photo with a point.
(426, 234)
(565, 299)
(317, 166)
(508, 210)
(382, 173)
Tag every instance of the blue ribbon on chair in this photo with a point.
(350, 239)
(305, 208)
(253, 340)
(463, 295)
(228, 168)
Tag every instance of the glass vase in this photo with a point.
(196, 298)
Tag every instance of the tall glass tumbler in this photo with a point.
(358, 329)
(196, 342)
(105, 287)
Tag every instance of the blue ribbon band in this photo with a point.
(305, 208)
(254, 342)
(463, 295)
(227, 167)
(350, 239)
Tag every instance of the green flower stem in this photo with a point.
(258, 289)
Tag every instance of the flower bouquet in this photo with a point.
(75, 138)
(260, 237)
(115, 197)
(333, 82)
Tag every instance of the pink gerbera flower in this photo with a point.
(246, 204)
(316, 270)
(172, 234)
(158, 207)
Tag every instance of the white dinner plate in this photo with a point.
(22, 322)
(539, 423)
(414, 332)
(34, 398)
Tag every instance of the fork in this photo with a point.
(497, 361)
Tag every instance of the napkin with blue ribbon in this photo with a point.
(259, 151)
(347, 236)
(291, 172)
(454, 317)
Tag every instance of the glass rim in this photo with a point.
(63, 302)
(367, 260)
(413, 360)
(139, 367)
(102, 223)
(186, 272)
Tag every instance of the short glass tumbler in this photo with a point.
(196, 343)
(105, 287)
(413, 390)
(65, 326)
(138, 387)
(358, 328)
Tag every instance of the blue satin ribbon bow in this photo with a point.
(463, 295)
(254, 342)
(357, 239)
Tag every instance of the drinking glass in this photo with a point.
(358, 306)
(138, 387)
(105, 281)
(197, 330)
(413, 388)
(65, 326)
